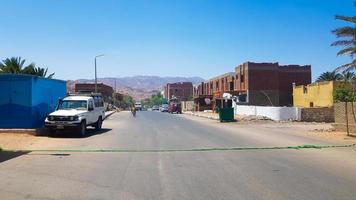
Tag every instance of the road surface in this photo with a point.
(191, 169)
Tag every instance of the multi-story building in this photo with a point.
(269, 84)
(105, 90)
(217, 85)
(263, 84)
(180, 90)
(208, 94)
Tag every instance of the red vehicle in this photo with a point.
(175, 107)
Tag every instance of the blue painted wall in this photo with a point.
(26, 100)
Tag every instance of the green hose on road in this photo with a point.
(188, 150)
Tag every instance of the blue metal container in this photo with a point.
(26, 100)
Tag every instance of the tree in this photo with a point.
(348, 33)
(127, 101)
(329, 76)
(37, 71)
(343, 94)
(348, 76)
(154, 100)
(16, 65)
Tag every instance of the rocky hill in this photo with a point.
(138, 87)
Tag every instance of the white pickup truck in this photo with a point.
(76, 113)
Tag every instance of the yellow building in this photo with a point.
(318, 94)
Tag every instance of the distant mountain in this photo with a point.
(144, 82)
(140, 87)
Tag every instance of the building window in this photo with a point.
(305, 90)
(231, 86)
(311, 104)
(242, 78)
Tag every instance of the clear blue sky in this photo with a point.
(170, 37)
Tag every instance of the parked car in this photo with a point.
(164, 108)
(155, 107)
(76, 112)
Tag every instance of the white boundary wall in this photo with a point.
(274, 113)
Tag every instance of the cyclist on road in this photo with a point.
(133, 110)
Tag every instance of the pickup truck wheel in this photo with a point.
(82, 129)
(98, 124)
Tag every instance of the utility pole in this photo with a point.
(96, 80)
(115, 103)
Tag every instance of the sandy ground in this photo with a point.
(319, 131)
(19, 141)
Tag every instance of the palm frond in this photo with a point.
(350, 51)
(346, 18)
(50, 76)
(344, 43)
(347, 67)
(348, 76)
(346, 31)
(329, 76)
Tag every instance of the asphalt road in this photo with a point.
(234, 174)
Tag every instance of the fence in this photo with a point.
(340, 118)
(317, 114)
(274, 113)
(26, 100)
(187, 105)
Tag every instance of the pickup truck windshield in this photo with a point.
(72, 104)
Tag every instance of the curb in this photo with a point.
(203, 116)
(28, 131)
(109, 114)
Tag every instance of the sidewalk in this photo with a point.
(209, 115)
(109, 113)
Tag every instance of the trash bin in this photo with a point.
(226, 114)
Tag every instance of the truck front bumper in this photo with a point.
(58, 125)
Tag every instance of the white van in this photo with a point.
(138, 105)
(76, 112)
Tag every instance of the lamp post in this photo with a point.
(96, 80)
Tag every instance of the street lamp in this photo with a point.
(96, 80)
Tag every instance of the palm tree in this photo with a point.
(13, 65)
(38, 71)
(329, 76)
(16, 65)
(349, 41)
(348, 76)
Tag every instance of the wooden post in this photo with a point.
(347, 119)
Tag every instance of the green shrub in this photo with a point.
(344, 94)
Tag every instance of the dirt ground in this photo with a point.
(320, 131)
(27, 141)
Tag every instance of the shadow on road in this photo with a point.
(92, 132)
(7, 155)
(70, 134)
